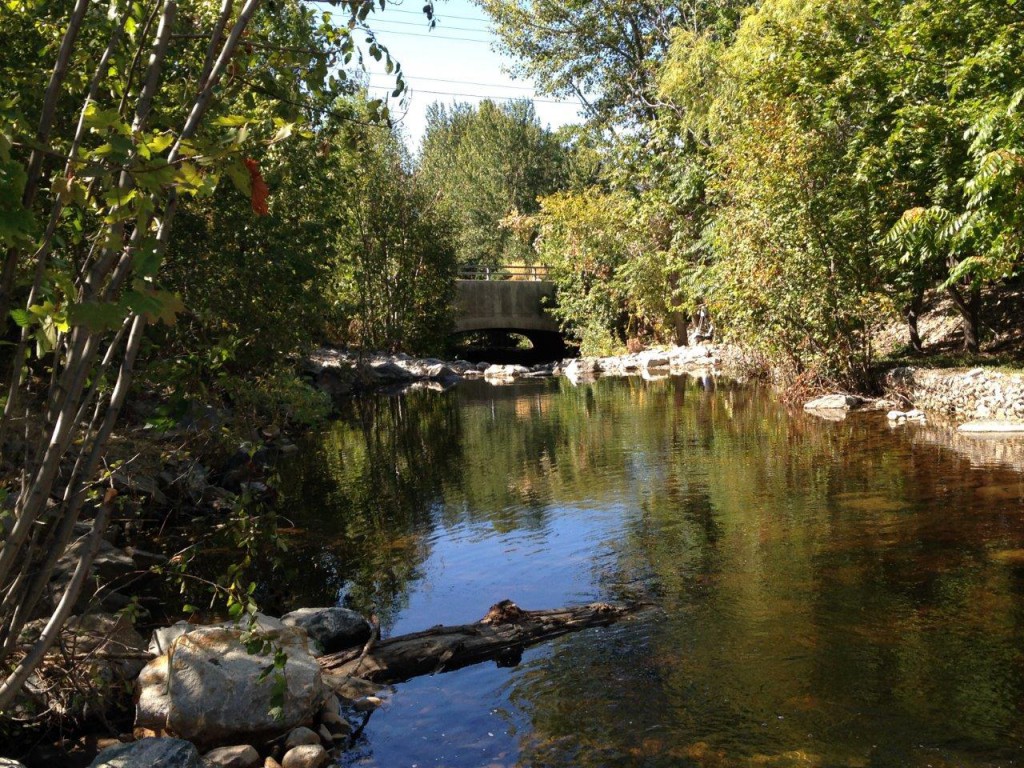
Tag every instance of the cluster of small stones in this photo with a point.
(978, 395)
(340, 373)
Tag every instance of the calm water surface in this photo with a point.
(826, 593)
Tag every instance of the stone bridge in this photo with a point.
(515, 306)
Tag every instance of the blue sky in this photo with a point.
(456, 61)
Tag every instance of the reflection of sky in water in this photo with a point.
(827, 594)
(471, 567)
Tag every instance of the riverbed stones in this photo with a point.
(209, 689)
(299, 736)
(505, 371)
(305, 756)
(332, 629)
(979, 394)
(243, 756)
(150, 753)
(902, 417)
(834, 402)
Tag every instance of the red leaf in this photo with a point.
(260, 190)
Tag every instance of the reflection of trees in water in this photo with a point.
(826, 596)
(367, 491)
(814, 578)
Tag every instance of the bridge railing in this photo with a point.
(505, 272)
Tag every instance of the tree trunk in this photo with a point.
(501, 635)
(969, 307)
(912, 312)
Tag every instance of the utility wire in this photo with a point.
(376, 24)
(414, 91)
(385, 32)
(469, 82)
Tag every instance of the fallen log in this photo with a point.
(500, 635)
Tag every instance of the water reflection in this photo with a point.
(827, 593)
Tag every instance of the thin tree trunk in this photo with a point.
(912, 312)
(969, 307)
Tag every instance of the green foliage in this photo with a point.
(612, 284)
(490, 163)
(395, 274)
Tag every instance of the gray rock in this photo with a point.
(306, 756)
(161, 639)
(336, 724)
(299, 736)
(333, 629)
(244, 756)
(6, 762)
(150, 753)
(833, 402)
(505, 371)
(208, 688)
(388, 371)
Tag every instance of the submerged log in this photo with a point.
(500, 635)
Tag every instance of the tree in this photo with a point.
(487, 163)
(145, 104)
(396, 247)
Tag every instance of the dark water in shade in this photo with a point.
(827, 593)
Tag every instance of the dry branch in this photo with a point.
(501, 635)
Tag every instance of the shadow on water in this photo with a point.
(827, 594)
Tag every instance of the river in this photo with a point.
(825, 593)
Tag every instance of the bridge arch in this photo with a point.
(516, 306)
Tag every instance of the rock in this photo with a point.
(505, 371)
(333, 629)
(367, 704)
(916, 415)
(150, 753)
(388, 371)
(331, 706)
(325, 735)
(992, 428)
(896, 417)
(6, 762)
(833, 402)
(207, 688)
(299, 736)
(351, 688)
(271, 763)
(306, 756)
(244, 756)
(160, 641)
(336, 725)
(651, 360)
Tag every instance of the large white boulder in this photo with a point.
(210, 690)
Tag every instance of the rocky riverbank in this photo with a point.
(342, 374)
(977, 401)
(241, 694)
(969, 397)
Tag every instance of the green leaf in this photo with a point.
(231, 121)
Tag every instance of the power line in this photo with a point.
(385, 32)
(376, 24)
(493, 98)
(470, 82)
(437, 15)
(440, 16)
